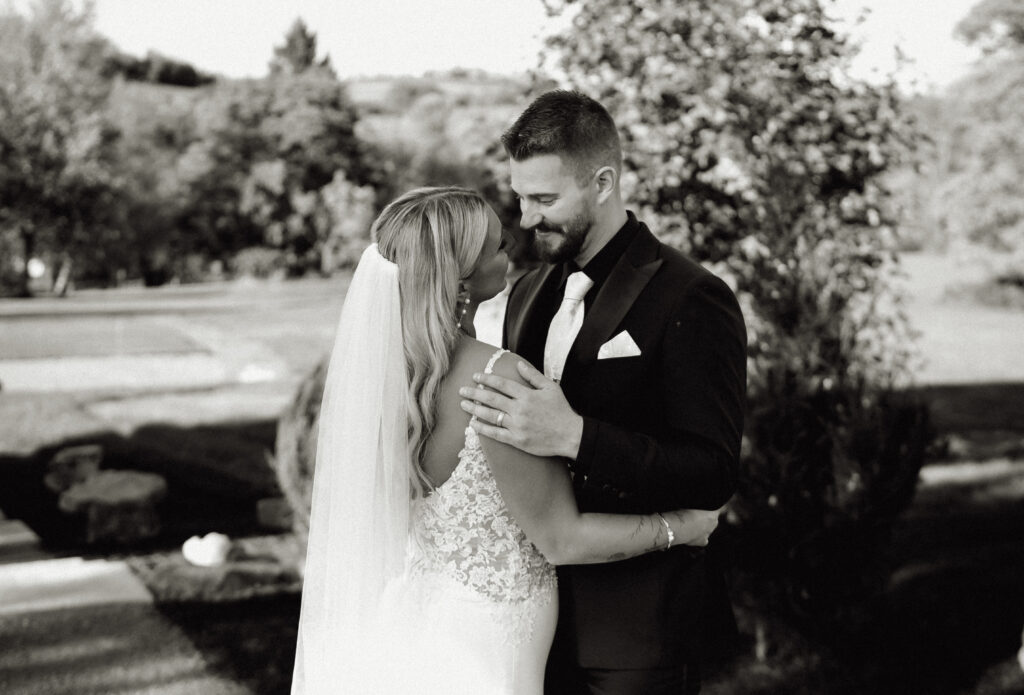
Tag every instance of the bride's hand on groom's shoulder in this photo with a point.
(529, 413)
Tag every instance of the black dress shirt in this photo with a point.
(598, 270)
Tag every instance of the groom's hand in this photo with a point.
(537, 419)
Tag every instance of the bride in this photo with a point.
(430, 560)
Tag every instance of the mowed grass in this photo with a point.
(293, 321)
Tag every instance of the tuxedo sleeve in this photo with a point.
(691, 459)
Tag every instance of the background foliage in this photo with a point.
(118, 168)
(749, 147)
(56, 181)
(964, 192)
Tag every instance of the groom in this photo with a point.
(644, 360)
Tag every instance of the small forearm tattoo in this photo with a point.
(647, 527)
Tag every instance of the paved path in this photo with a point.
(88, 627)
(103, 649)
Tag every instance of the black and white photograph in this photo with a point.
(512, 347)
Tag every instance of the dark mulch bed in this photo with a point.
(215, 476)
(251, 641)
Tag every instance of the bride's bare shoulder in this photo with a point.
(472, 356)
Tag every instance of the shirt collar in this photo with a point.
(600, 266)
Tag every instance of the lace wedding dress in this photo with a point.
(475, 610)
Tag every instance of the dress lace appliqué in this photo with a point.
(464, 531)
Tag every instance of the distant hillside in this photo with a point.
(388, 92)
(459, 115)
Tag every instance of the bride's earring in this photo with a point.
(462, 313)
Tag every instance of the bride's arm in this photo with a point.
(539, 495)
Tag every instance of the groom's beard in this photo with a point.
(561, 243)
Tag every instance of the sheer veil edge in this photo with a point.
(359, 519)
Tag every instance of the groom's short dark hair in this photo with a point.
(568, 124)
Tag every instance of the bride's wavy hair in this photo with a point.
(435, 236)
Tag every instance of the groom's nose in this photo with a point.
(529, 217)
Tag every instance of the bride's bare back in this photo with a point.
(441, 452)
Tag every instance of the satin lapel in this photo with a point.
(627, 280)
(521, 323)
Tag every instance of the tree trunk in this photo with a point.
(28, 246)
(63, 280)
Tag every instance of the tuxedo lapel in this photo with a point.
(628, 278)
(522, 323)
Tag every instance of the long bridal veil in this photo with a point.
(361, 488)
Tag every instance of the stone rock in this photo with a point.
(119, 507)
(275, 514)
(72, 465)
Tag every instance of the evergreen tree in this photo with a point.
(298, 53)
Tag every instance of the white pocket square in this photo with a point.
(621, 345)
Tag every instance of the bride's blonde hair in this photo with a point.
(435, 236)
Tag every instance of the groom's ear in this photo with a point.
(605, 180)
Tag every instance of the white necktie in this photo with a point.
(565, 325)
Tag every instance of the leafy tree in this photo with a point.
(748, 146)
(981, 148)
(157, 126)
(966, 191)
(56, 181)
(980, 164)
(993, 24)
(258, 169)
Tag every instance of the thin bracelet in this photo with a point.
(668, 530)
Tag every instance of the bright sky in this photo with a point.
(363, 37)
(370, 37)
(923, 30)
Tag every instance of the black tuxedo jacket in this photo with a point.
(661, 431)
